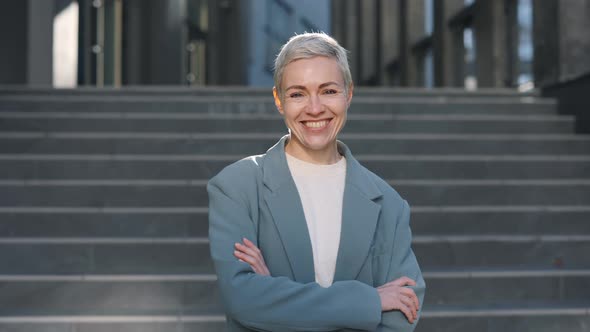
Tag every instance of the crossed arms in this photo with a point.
(262, 302)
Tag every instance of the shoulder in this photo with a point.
(390, 195)
(394, 208)
(238, 171)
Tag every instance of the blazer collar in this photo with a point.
(359, 214)
(276, 171)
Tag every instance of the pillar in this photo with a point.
(490, 26)
(447, 44)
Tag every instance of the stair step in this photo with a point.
(109, 296)
(187, 194)
(527, 317)
(261, 123)
(573, 318)
(189, 293)
(176, 143)
(113, 323)
(70, 222)
(191, 255)
(104, 166)
(265, 105)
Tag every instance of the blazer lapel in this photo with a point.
(359, 218)
(285, 206)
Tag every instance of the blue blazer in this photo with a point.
(256, 198)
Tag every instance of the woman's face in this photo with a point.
(314, 104)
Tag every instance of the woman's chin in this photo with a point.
(319, 144)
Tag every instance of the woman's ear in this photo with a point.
(349, 96)
(278, 104)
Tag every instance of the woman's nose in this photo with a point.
(315, 105)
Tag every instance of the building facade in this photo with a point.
(413, 43)
(143, 42)
(464, 43)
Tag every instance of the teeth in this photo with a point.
(316, 124)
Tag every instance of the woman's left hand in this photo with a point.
(249, 253)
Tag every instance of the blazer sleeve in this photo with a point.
(403, 263)
(267, 303)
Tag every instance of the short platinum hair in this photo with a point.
(309, 45)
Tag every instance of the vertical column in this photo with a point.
(14, 37)
(135, 55)
(490, 26)
(390, 41)
(560, 38)
(574, 42)
(512, 41)
(446, 43)
(338, 22)
(167, 41)
(368, 42)
(351, 39)
(414, 30)
(227, 38)
(40, 42)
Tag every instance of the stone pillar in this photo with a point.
(561, 42)
(368, 42)
(490, 26)
(228, 36)
(447, 44)
(338, 22)
(14, 37)
(574, 41)
(413, 31)
(26, 34)
(167, 43)
(390, 41)
(351, 36)
(40, 42)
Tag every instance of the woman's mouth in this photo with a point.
(316, 124)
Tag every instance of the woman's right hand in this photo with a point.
(248, 252)
(396, 296)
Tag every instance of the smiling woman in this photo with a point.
(314, 105)
(303, 237)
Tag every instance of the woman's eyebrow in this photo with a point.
(301, 87)
(323, 85)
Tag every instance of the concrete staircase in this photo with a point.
(103, 207)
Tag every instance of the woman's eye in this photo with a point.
(296, 95)
(331, 92)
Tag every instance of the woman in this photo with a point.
(304, 237)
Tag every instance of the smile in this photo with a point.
(316, 124)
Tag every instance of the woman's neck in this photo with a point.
(326, 156)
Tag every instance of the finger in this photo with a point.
(246, 258)
(404, 281)
(249, 243)
(247, 250)
(410, 304)
(253, 249)
(406, 311)
(412, 295)
(241, 256)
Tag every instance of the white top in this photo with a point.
(321, 189)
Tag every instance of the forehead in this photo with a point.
(317, 69)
